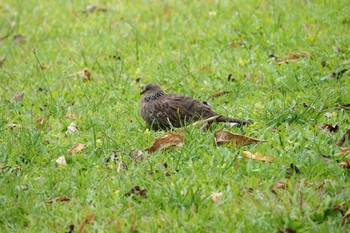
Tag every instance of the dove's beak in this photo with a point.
(142, 92)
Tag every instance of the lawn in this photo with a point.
(71, 76)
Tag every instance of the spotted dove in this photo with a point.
(163, 111)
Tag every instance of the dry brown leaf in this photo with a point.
(345, 217)
(224, 137)
(164, 143)
(18, 97)
(87, 74)
(279, 185)
(345, 163)
(257, 156)
(343, 138)
(136, 155)
(217, 94)
(71, 128)
(234, 44)
(216, 196)
(78, 147)
(86, 221)
(330, 128)
(61, 160)
(345, 150)
(59, 199)
(121, 167)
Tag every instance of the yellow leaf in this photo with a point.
(257, 156)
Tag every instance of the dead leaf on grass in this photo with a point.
(345, 163)
(78, 147)
(257, 156)
(18, 97)
(330, 128)
(71, 128)
(122, 167)
(291, 57)
(63, 198)
(345, 150)
(219, 93)
(225, 137)
(279, 185)
(345, 136)
(137, 155)
(166, 142)
(85, 73)
(345, 217)
(215, 197)
(61, 160)
(86, 221)
(41, 122)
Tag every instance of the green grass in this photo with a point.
(183, 46)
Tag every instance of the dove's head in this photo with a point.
(151, 88)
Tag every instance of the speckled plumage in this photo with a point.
(163, 111)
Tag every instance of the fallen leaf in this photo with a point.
(287, 230)
(343, 138)
(330, 128)
(87, 74)
(345, 217)
(2, 60)
(136, 155)
(345, 150)
(61, 160)
(206, 68)
(71, 128)
(279, 185)
(257, 156)
(345, 163)
(224, 137)
(76, 148)
(341, 206)
(18, 97)
(216, 196)
(121, 167)
(71, 115)
(137, 191)
(86, 221)
(291, 57)
(63, 198)
(217, 94)
(164, 143)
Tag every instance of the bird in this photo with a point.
(162, 111)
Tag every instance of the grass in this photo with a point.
(188, 47)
